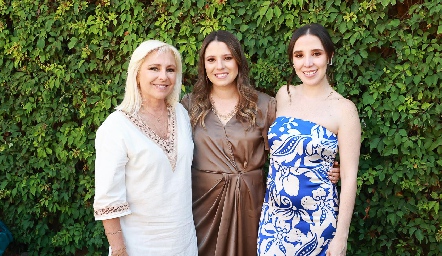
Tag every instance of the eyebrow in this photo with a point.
(311, 50)
(227, 54)
(157, 64)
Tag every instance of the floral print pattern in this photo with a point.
(301, 204)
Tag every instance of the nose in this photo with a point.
(219, 64)
(308, 61)
(162, 75)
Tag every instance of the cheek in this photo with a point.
(143, 76)
(207, 67)
(172, 77)
(322, 61)
(234, 67)
(297, 64)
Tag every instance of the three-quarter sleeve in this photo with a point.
(110, 163)
(271, 115)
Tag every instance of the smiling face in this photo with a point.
(157, 75)
(310, 60)
(220, 65)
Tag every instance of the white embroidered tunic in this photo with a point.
(135, 181)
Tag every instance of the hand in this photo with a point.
(337, 247)
(334, 173)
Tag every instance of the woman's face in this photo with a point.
(157, 75)
(310, 60)
(221, 67)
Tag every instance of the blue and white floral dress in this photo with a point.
(300, 207)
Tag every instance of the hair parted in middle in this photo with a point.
(320, 32)
(132, 97)
(247, 106)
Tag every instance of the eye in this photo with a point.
(210, 59)
(153, 68)
(317, 54)
(170, 70)
(228, 58)
(297, 55)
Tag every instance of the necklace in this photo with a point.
(322, 96)
(158, 118)
(159, 127)
(329, 94)
(224, 117)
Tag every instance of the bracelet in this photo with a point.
(119, 251)
(113, 233)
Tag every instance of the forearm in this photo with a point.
(346, 206)
(114, 234)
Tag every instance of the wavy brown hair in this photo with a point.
(200, 97)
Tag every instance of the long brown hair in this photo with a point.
(200, 98)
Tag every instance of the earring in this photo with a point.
(331, 61)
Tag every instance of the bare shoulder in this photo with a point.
(347, 107)
(285, 92)
(347, 113)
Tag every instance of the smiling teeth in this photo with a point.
(221, 75)
(310, 73)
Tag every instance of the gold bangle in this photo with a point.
(113, 233)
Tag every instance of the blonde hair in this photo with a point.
(132, 97)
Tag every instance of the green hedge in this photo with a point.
(63, 67)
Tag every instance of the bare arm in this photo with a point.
(114, 235)
(349, 140)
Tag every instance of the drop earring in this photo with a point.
(331, 61)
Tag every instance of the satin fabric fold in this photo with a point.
(227, 181)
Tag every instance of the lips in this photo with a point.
(221, 75)
(161, 86)
(310, 73)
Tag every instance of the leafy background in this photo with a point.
(63, 68)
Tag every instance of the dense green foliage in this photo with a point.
(63, 67)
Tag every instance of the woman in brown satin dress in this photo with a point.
(230, 121)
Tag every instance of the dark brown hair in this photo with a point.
(200, 100)
(320, 32)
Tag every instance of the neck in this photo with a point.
(315, 91)
(225, 92)
(153, 105)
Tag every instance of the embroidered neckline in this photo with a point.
(168, 145)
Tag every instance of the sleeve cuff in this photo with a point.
(111, 212)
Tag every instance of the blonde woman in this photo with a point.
(143, 159)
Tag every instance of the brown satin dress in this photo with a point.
(227, 181)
